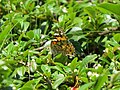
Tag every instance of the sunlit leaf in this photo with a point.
(5, 33)
(30, 85)
(100, 82)
(86, 86)
(26, 25)
(73, 64)
(88, 59)
(110, 8)
(116, 37)
(90, 11)
(21, 71)
(60, 79)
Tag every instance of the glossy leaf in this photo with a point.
(73, 64)
(116, 37)
(5, 33)
(21, 71)
(101, 80)
(86, 86)
(30, 85)
(110, 8)
(26, 25)
(60, 80)
(88, 59)
(90, 11)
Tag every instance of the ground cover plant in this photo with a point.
(85, 56)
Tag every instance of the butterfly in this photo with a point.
(61, 44)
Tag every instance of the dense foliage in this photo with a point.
(28, 26)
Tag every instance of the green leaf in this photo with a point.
(29, 5)
(97, 39)
(117, 37)
(73, 64)
(2, 62)
(66, 68)
(21, 71)
(90, 11)
(100, 82)
(10, 48)
(75, 30)
(114, 43)
(86, 86)
(58, 68)
(115, 88)
(33, 66)
(110, 8)
(105, 39)
(86, 60)
(27, 88)
(13, 7)
(5, 32)
(61, 18)
(26, 25)
(77, 37)
(115, 77)
(46, 70)
(30, 34)
(78, 21)
(30, 85)
(104, 60)
(60, 79)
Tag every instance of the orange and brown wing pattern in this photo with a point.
(61, 44)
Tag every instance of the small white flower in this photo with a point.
(75, 70)
(21, 52)
(97, 66)
(11, 11)
(21, 2)
(64, 10)
(103, 50)
(5, 67)
(95, 74)
(14, 88)
(89, 73)
(37, 6)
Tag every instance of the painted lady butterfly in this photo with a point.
(61, 44)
